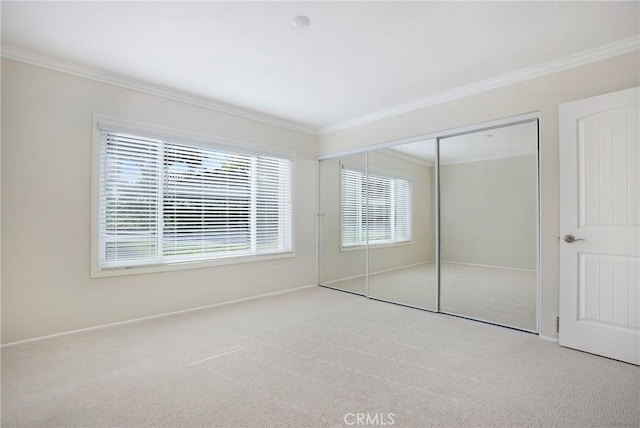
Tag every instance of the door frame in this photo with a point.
(437, 136)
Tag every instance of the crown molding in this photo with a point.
(620, 47)
(55, 64)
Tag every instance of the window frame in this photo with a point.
(375, 244)
(106, 123)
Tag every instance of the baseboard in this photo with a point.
(549, 338)
(153, 317)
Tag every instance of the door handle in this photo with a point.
(570, 238)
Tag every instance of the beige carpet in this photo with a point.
(502, 296)
(310, 358)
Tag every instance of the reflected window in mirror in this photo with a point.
(374, 208)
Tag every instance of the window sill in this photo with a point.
(97, 272)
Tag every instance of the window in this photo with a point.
(163, 202)
(387, 218)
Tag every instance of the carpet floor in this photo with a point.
(312, 358)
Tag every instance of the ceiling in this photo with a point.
(354, 60)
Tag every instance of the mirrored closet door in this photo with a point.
(448, 224)
(342, 223)
(488, 225)
(401, 224)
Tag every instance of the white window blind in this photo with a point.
(164, 202)
(374, 208)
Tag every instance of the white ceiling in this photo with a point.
(356, 58)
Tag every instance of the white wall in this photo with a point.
(46, 152)
(46, 208)
(542, 94)
(488, 212)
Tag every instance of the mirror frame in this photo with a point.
(440, 135)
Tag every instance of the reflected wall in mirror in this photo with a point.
(488, 225)
(401, 224)
(342, 235)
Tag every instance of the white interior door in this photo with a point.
(599, 208)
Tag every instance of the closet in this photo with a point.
(447, 223)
